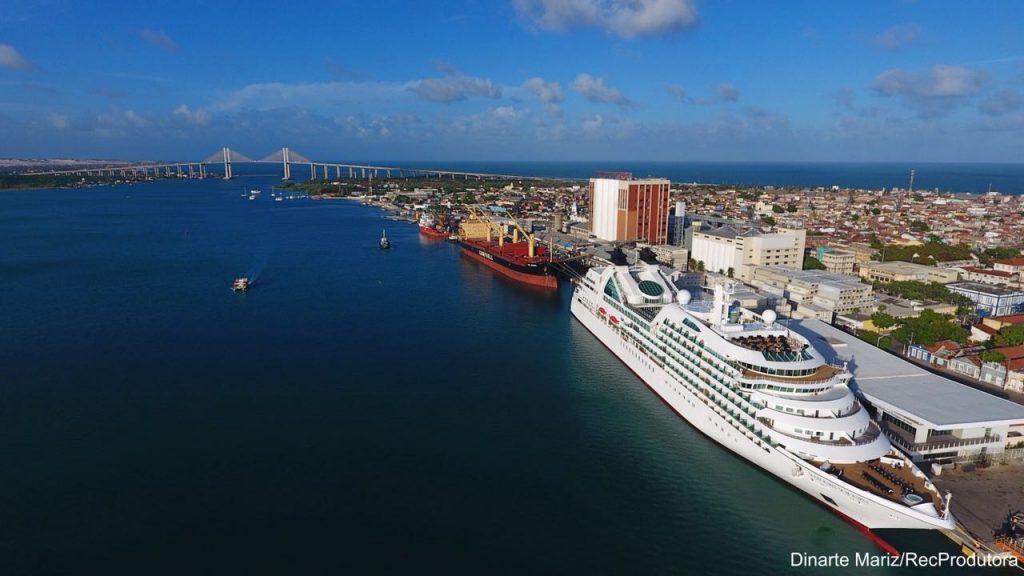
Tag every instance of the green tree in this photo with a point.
(469, 198)
(1013, 334)
(882, 320)
(812, 263)
(875, 339)
(919, 225)
(992, 356)
(768, 220)
(777, 209)
(792, 207)
(928, 328)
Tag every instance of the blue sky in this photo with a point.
(674, 80)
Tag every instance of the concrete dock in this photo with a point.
(983, 498)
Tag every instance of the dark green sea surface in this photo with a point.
(357, 411)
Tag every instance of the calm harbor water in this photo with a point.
(357, 410)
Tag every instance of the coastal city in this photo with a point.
(617, 287)
(920, 290)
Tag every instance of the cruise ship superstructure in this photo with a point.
(762, 391)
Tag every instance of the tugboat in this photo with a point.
(240, 284)
(384, 242)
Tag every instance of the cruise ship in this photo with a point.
(760, 390)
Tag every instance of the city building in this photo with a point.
(706, 222)
(929, 417)
(677, 225)
(990, 300)
(840, 261)
(626, 208)
(675, 257)
(736, 249)
(990, 276)
(817, 293)
(1011, 265)
(897, 271)
(862, 253)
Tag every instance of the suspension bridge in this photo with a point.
(225, 159)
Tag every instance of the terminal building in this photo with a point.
(927, 416)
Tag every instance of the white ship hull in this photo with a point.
(864, 508)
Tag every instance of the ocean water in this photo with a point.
(357, 411)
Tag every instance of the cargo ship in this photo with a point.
(520, 257)
(428, 227)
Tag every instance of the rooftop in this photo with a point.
(1019, 261)
(894, 383)
(982, 288)
(986, 271)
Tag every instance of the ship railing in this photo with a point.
(777, 381)
(940, 444)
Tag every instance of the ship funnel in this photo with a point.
(531, 245)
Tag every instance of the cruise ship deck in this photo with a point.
(895, 483)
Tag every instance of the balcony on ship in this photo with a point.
(823, 374)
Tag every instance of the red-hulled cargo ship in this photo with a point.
(428, 227)
(432, 232)
(513, 259)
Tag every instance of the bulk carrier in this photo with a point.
(759, 390)
(519, 257)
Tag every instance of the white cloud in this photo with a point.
(724, 92)
(932, 93)
(185, 113)
(11, 58)
(1002, 102)
(58, 121)
(159, 38)
(897, 36)
(626, 18)
(678, 92)
(595, 90)
(453, 87)
(592, 123)
(312, 95)
(940, 81)
(550, 93)
(135, 120)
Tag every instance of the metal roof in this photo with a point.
(898, 385)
